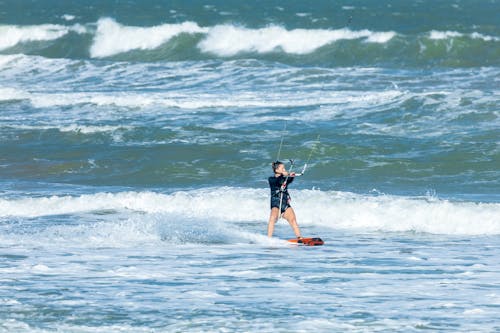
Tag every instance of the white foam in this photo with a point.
(12, 94)
(444, 34)
(13, 325)
(391, 213)
(78, 128)
(439, 35)
(486, 38)
(11, 35)
(472, 312)
(229, 40)
(327, 209)
(449, 305)
(68, 17)
(9, 58)
(381, 37)
(112, 38)
(87, 129)
(40, 268)
(177, 100)
(150, 202)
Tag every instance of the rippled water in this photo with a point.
(136, 141)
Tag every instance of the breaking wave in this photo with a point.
(190, 41)
(113, 38)
(228, 40)
(12, 35)
(326, 209)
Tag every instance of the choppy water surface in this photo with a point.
(136, 140)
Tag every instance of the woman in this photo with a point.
(280, 197)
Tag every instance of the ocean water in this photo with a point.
(136, 140)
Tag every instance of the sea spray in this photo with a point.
(112, 38)
(337, 210)
(190, 40)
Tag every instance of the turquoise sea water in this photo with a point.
(136, 139)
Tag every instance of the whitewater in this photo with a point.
(136, 141)
(107, 38)
(336, 210)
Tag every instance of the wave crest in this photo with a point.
(11, 35)
(113, 38)
(228, 40)
(190, 41)
(439, 35)
(313, 207)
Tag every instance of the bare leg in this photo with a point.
(289, 215)
(273, 217)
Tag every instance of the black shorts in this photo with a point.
(275, 203)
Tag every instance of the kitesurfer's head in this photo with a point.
(278, 167)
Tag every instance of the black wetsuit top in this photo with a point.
(275, 184)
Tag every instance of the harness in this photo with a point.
(282, 189)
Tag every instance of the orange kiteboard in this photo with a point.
(315, 241)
